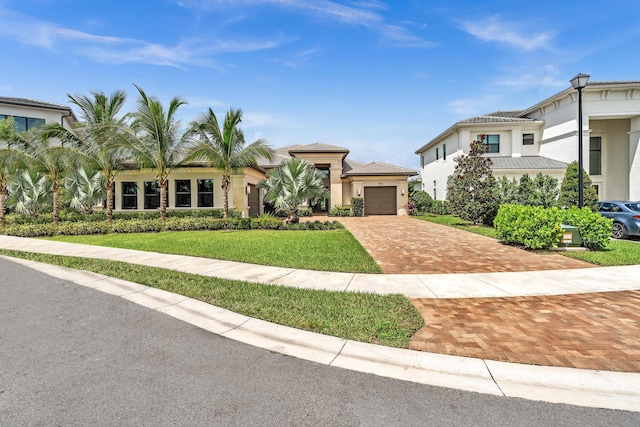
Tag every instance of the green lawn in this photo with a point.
(620, 252)
(388, 320)
(454, 221)
(323, 250)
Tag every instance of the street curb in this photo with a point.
(600, 389)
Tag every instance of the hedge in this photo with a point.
(155, 225)
(535, 227)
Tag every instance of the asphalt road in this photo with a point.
(72, 356)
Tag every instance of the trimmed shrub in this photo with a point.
(423, 201)
(340, 211)
(30, 230)
(533, 227)
(82, 228)
(136, 225)
(357, 206)
(595, 230)
(440, 207)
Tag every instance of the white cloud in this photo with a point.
(361, 14)
(547, 77)
(120, 50)
(493, 29)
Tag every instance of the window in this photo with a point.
(25, 123)
(493, 142)
(444, 151)
(595, 155)
(183, 193)
(129, 195)
(421, 160)
(151, 195)
(527, 139)
(437, 153)
(205, 193)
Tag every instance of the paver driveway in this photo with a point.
(405, 245)
(590, 331)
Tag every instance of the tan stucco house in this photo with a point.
(382, 186)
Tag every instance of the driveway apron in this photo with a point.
(405, 245)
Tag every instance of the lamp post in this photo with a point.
(579, 82)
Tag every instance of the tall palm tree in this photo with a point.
(95, 136)
(292, 183)
(224, 148)
(156, 140)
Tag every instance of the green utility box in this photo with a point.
(570, 236)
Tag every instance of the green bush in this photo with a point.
(595, 230)
(440, 207)
(533, 227)
(357, 206)
(136, 225)
(339, 210)
(82, 228)
(423, 201)
(30, 230)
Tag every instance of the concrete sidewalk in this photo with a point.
(464, 285)
(604, 389)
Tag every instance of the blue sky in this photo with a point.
(378, 77)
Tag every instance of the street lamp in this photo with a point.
(579, 82)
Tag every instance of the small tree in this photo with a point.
(526, 191)
(291, 184)
(85, 189)
(569, 189)
(506, 191)
(546, 189)
(470, 188)
(422, 200)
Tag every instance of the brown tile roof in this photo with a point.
(378, 168)
(317, 147)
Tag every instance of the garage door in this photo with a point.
(380, 201)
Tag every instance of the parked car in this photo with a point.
(625, 215)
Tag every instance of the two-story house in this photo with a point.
(544, 138)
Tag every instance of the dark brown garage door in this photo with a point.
(380, 201)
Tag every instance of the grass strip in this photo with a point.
(388, 320)
(619, 252)
(322, 250)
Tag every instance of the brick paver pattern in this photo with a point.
(405, 245)
(590, 331)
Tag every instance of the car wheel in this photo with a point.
(619, 231)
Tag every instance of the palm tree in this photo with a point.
(155, 141)
(224, 148)
(29, 191)
(52, 161)
(85, 188)
(292, 183)
(95, 136)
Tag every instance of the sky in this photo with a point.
(381, 78)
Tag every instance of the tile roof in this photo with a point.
(316, 148)
(526, 162)
(378, 168)
(36, 104)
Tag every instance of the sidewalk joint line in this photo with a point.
(492, 378)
